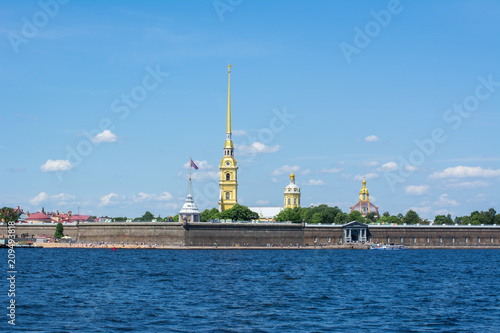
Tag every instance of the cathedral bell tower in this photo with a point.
(292, 193)
(228, 184)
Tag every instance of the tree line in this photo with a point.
(334, 215)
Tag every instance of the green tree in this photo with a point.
(356, 216)
(120, 219)
(7, 215)
(208, 215)
(148, 216)
(289, 214)
(238, 213)
(440, 219)
(489, 216)
(341, 218)
(411, 217)
(59, 230)
(386, 214)
(373, 217)
(175, 218)
(496, 220)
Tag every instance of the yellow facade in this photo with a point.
(292, 193)
(228, 184)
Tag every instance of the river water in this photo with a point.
(102, 290)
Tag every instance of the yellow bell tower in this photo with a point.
(292, 193)
(228, 185)
(363, 193)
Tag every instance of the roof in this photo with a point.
(38, 217)
(355, 224)
(80, 218)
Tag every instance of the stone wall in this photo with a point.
(437, 235)
(251, 234)
(258, 234)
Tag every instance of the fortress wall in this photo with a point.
(258, 234)
(329, 235)
(129, 232)
(252, 234)
(436, 235)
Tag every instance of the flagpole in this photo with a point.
(190, 165)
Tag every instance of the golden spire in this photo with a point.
(228, 130)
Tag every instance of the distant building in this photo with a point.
(266, 213)
(364, 206)
(39, 218)
(292, 193)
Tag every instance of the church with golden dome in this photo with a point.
(292, 193)
(364, 206)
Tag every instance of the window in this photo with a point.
(228, 195)
(294, 201)
(228, 176)
(288, 200)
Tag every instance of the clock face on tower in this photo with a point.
(228, 163)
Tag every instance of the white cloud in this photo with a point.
(257, 148)
(286, 169)
(464, 171)
(107, 200)
(57, 165)
(204, 175)
(165, 196)
(416, 189)
(262, 202)
(371, 138)
(240, 133)
(104, 136)
(370, 164)
(332, 170)
(410, 168)
(41, 197)
(474, 184)
(274, 180)
(444, 201)
(389, 166)
(315, 182)
(305, 172)
(62, 198)
(442, 212)
(421, 210)
(368, 176)
(201, 164)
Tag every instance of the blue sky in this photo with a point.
(103, 103)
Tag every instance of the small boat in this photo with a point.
(390, 247)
